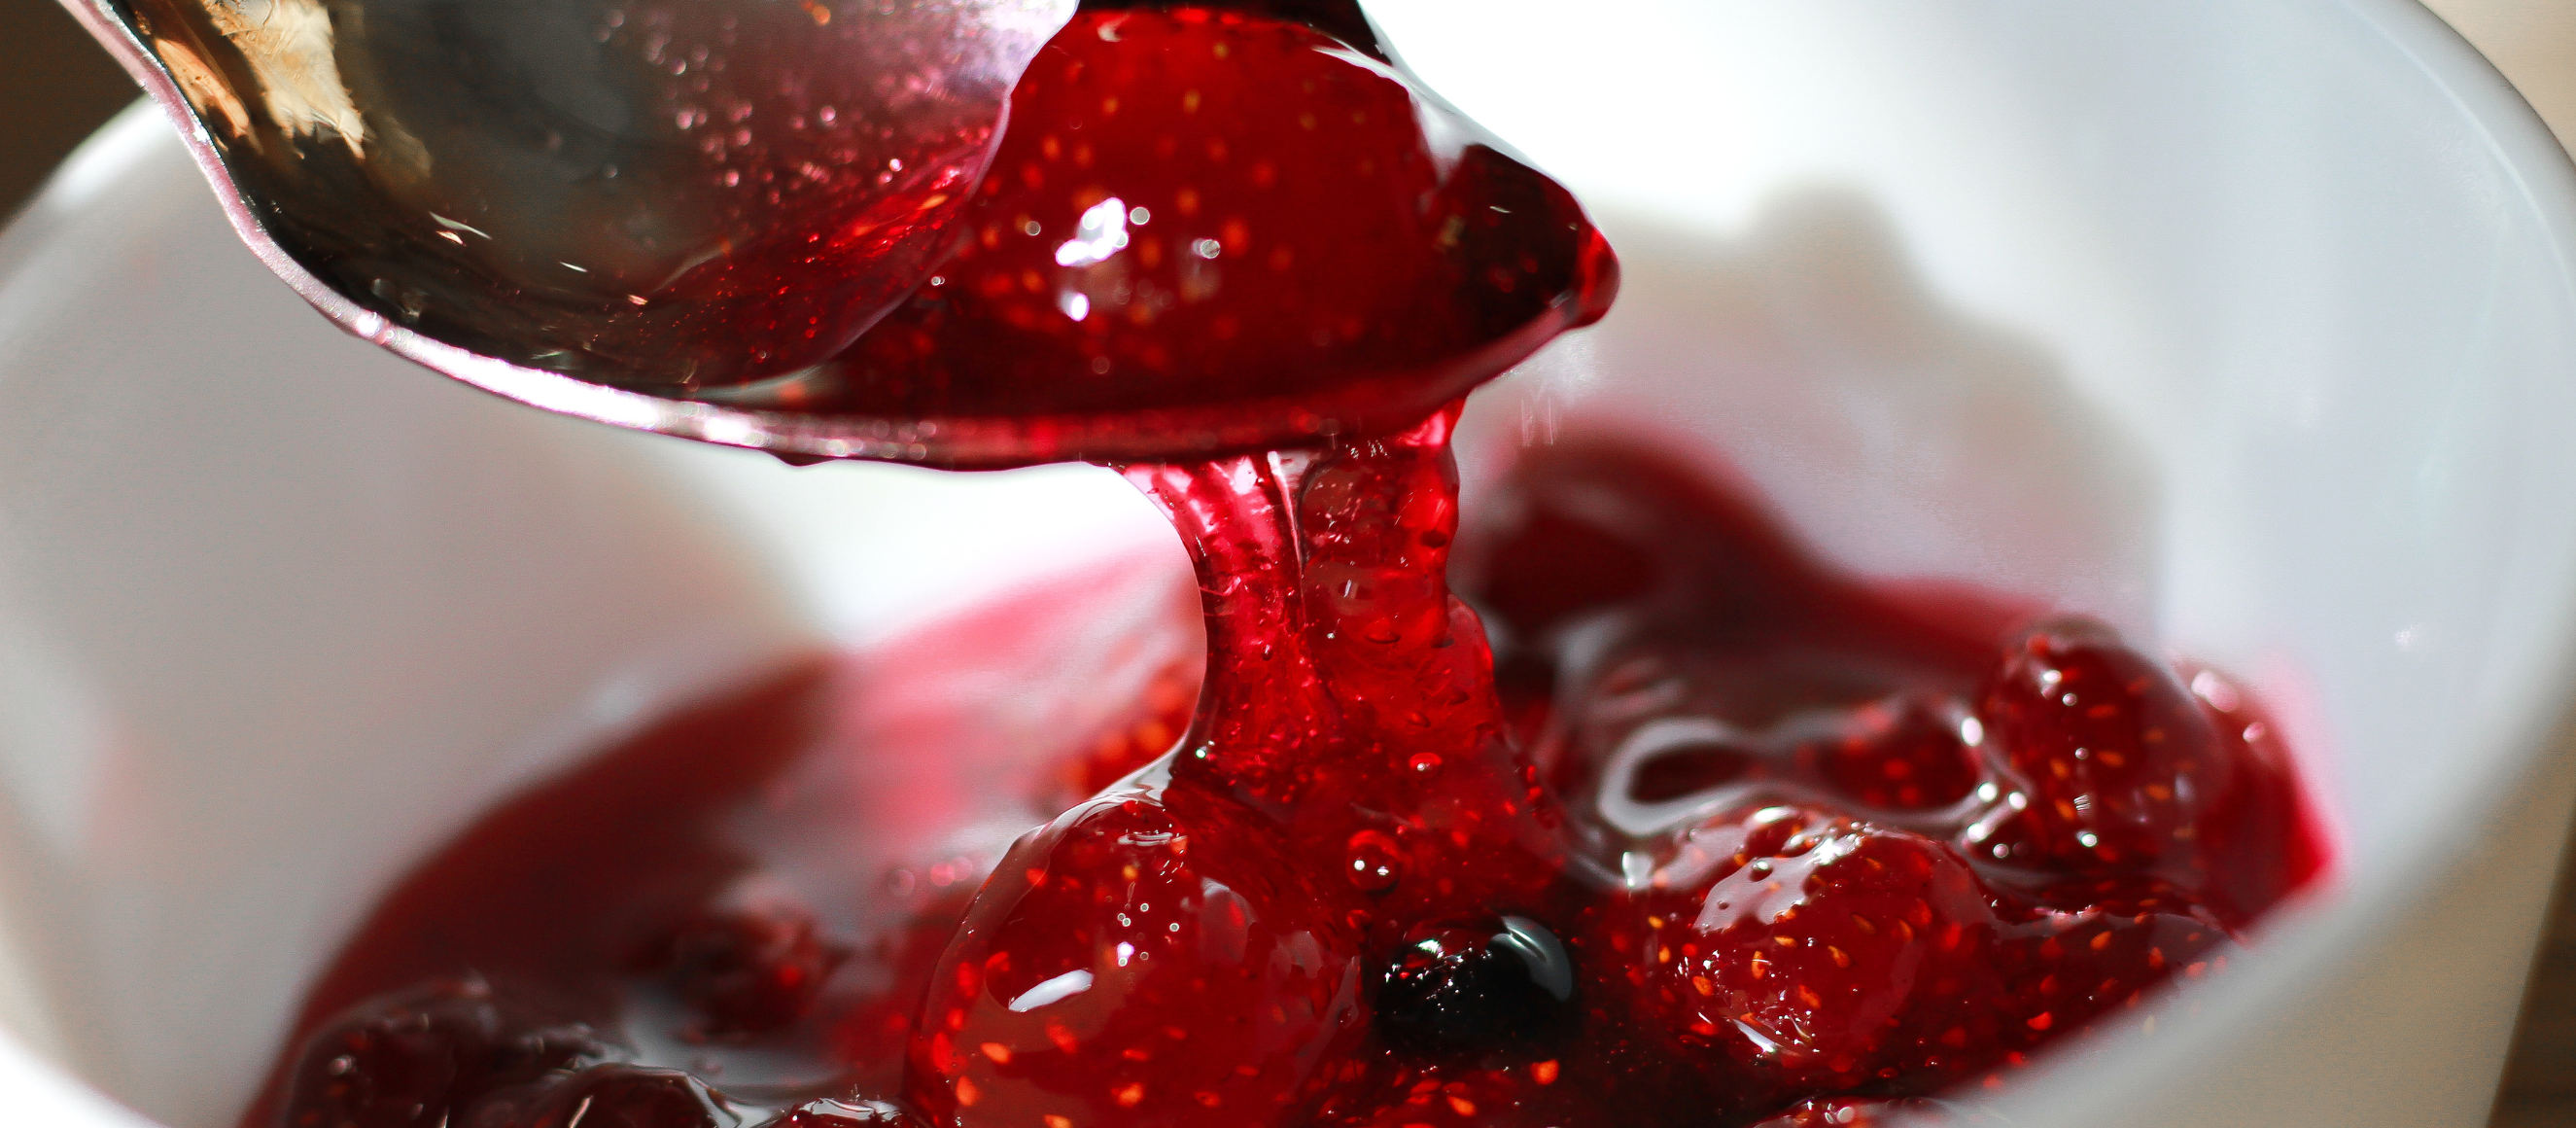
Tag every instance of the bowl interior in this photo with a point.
(2244, 326)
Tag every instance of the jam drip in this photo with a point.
(1120, 959)
(1337, 655)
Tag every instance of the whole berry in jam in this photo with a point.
(2114, 760)
(1223, 229)
(420, 1058)
(1148, 958)
(1477, 988)
(1816, 952)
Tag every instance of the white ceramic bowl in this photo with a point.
(2250, 326)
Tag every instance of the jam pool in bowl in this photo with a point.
(1628, 394)
(1809, 853)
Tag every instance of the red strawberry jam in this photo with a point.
(1714, 837)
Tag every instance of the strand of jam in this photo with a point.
(1120, 958)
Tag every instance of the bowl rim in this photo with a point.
(2301, 947)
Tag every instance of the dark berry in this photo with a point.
(415, 1059)
(1477, 987)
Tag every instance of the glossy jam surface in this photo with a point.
(1781, 845)
(1210, 230)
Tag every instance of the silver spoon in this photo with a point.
(679, 216)
(605, 208)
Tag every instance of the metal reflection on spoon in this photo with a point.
(606, 208)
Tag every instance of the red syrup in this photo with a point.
(1713, 837)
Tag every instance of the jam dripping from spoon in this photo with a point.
(1237, 250)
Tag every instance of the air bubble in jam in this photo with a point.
(1702, 833)
(1376, 861)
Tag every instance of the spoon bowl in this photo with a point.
(595, 207)
(732, 221)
